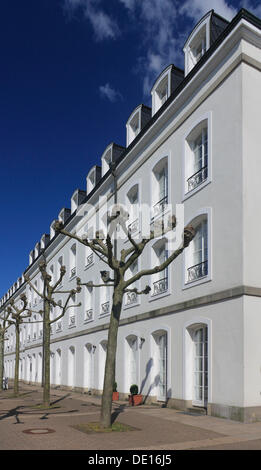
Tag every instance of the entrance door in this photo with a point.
(200, 373)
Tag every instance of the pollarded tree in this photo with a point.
(18, 315)
(48, 294)
(4, 325)
(103, 247)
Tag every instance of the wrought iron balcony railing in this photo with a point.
(89, 259)
(160, 286)
(131, 298)
(105, 308)
(133, 227)
(88, 315)
(197, 271)
(72, 320)
(73, 271)
(197, 178)
(159, 207)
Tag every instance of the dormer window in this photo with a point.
(93, 177)
(203, 35)
(166, 83)
(111, 154)
(137, 120)
(76, 199)
(133, 128)
(106, 160)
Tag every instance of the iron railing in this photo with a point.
(197, 178)
(160, 286)
(197, 271)
(105, 308)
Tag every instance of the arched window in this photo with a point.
(132, 361)
(71, 366)
(197, 254)
(160, 281)
(88, 316)
(73, 260)
(102, 359)
(131, 297)
(132, 203)
(159, 352)
(88, 366)
(159, 193)
(197, 364)
(196, 157)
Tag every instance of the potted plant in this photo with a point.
(115, 394)
(135, 398)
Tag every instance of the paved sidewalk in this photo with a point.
(23, 426)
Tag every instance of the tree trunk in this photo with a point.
(46, 358)
(1, 359)
(109, 374)
(17, 357)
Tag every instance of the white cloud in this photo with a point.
(104, 26)
(106, 91)
(199, 8)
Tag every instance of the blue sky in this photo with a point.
(72, 71)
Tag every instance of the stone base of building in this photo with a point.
(248, 414)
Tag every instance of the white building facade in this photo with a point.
(194, 339)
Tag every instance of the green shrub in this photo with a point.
(134, 389)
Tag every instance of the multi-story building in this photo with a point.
(194, 339)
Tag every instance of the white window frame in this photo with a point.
(205, 24)
(163, 329)
(156, 101)
(187, 155)
(187, 285)
(153, 297)
(188, 357)
(166, 209)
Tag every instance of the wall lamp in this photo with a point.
(93, 348)
(142, 340)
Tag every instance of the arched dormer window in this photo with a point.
(111, 154)
(93, 178)
(137, 120)
(166, 83)
(202, 36)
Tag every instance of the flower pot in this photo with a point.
(135, 400)
(115, 396)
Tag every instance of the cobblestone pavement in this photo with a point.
(23, 426)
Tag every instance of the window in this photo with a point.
(197, 263)
(72, 316)
(133, 209)
(106, 160)
(132, 361)
(197, 161)
(197, 376)
(73, 260)
(161, 90)
(131, 297)
(159, 352)
(133, 128)
(159, 187)
(105, 300)
(88, 316)
(159, 280)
